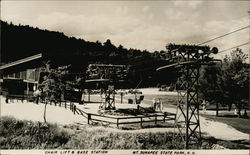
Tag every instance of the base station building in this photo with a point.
(21, 77)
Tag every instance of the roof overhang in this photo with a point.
(21, 61)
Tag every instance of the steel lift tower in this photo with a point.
(187, 59)
(108, 77)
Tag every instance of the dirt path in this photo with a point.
(217, 129)
(34, 112)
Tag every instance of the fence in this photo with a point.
(131, 119)
(60, 103)
(166, 116)
(11, 98)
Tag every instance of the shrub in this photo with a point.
(17, 134)
(100, 139)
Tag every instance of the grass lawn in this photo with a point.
(225, 116)
(240, 124)
(18, 134)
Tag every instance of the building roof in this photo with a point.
(21, 61)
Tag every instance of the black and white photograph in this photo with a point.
(121, 77)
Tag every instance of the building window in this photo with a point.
(31, 74)
(17, 75)
(23, 75)
(11, 75)
(37, 71)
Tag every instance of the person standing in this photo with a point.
(158, 104)
(82, 98)
(154, 103)
(203, 104)
(37, 95)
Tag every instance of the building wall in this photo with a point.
(29, 78)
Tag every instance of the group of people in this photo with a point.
(157, 104)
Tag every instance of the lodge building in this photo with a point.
(21, 77)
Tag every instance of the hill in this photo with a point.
(20, 41)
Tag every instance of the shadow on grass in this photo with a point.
(92, 102)
(148, 125)
(228, 116)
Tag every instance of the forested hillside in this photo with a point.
(19, 41)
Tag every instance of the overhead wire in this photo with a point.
(218, 33)
(224, 35)
(229, 33)
(234, 47)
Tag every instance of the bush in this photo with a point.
(100, 139)
(17, 134)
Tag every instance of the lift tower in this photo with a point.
(187, 59)
(108, 77)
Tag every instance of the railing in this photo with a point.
(61, 103)
(11, 98)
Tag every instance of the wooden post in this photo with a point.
(113, 106)
(7, 99)
(117, 124)
(65, 105)
(70, 106)
(165, 115)
(89, 118)
(121, 97)
(89, 95)
(27, 91)
(141, 122)
(74, 110)
(155, 119)
(217, 109)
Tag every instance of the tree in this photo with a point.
(227, 84)
(209, 87)
(19, 42)
(54, 85)
(235, 80)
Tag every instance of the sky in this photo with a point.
(149, 25)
